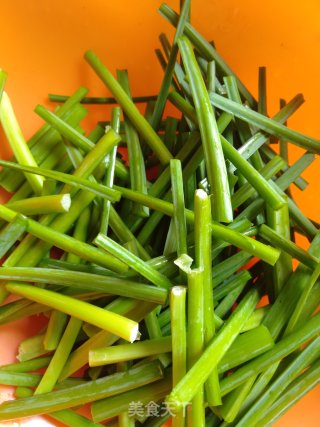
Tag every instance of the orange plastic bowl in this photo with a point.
(42, 45)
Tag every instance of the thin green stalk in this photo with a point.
(138, 180)
(243, 128)
(267, 253)
(300, 362)
(225, 306)
(166, 81)
(154, 332)
(246, 346)
(132, 261)
(262, 90)
(67, 243)
(250, 173)
(101, 100)
(27, 366)
(75, 181)
(179, 342)
(56, 203)
(264, 123)
(71, 419)
(195, 341)
(31, 348)
(266, 173)
(215, 164)
(112, 406)
(203, 249)
(132, 309)
(55, 329)
(200, 371)
(295, 317)
(279, 221)
(129, 108)
(11, 233)
(296, 390)
(109, 176)
(206, 50)
(3, 78)
(17, 142)
(124, 234)
(19, 379)
(107, 320)
(60, 357)
(179, 206)
(280, 350)
(286, 245)
(126, 352)
(81, 394)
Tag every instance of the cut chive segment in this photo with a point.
(107, 320)
(129, 108)
(42, 205)
(81, 394)
(185, 390)
(215, 164)
(264, 123)
(17, 142)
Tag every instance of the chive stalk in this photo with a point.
(112, 322)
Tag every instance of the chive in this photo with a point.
(154, 332)
(100, 100)
(11, 233)
(132, 261)
(295, 317)
(109, 176)
(86, 281)
(54, 331)
(297, 389)
(75, 181)
(112, 406)
(17, 142)
(246, 346)
(59, 358)
(42, 205)
(281, 349)
(287, 246)
(138, 178)
(65, 242)
(71, 418)
(84, 393)
(215, 164)
(31, 348)
(206, 50)
(30, 365)
(179, 209)
(3, 78)
(126, 352)
(123, 306)
(279, 221)
(129, 108)
(255, 179)
(278, 386)
(179, 342)
(264, 123)
(166, 81)
(203, 260)
(114, 323)
(199, 373)
(262, 89)
(195, 341)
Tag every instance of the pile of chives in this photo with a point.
(166, 276)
